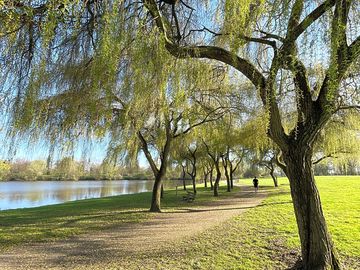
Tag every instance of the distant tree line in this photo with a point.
(68, 169)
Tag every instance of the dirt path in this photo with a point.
(100, 250)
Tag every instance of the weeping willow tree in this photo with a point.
(50, 48)
(89, 70)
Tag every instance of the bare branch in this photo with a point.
(206, 119)
(324, 157)
(269, 35)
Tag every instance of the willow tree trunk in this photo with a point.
(231, 180)
(183, 175)
(156, 193)
(211, 180)
(231, 171)
(316, 245)
(228, 184)
(205, 179)
(273, 176)
(217, 181)
(194, 184)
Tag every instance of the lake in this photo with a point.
(19, 194)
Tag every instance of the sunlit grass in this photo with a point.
(340, 197)
(266, 237)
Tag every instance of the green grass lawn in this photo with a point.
(266, 237)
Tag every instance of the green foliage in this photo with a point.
(239, 20)
(340, 138)
(27, 170)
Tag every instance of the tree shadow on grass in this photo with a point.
(191, 210)
(131, 215)
(274, 203)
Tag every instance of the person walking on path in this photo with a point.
(256, 184)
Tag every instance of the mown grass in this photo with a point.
(48, 223)
(265, 237)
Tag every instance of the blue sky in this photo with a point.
(95, 153)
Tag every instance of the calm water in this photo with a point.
(30, 194)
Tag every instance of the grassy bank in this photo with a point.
(48, 223)
(266, 237)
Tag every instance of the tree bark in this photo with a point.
(156, 194)
(194, 184)
(205, 179)
(158, 173)
(183, 177)
(231, 171)
(316, 245)
(217, 180)
(225, 165)
(227, 180)
(211, 179)
(272, 170)
(273, 176)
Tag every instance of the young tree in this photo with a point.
(225, 162)
(192, 164)
(214, 148)
(268, 160)
(209, 165)
(235, 159)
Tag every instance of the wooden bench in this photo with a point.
(189, 197)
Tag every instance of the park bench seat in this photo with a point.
(189, 197)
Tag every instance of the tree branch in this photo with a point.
(147, 154)
(209, 52)
(322, 158)
(222, 55)
(203, 121)
(354, 49)
(312, 17)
